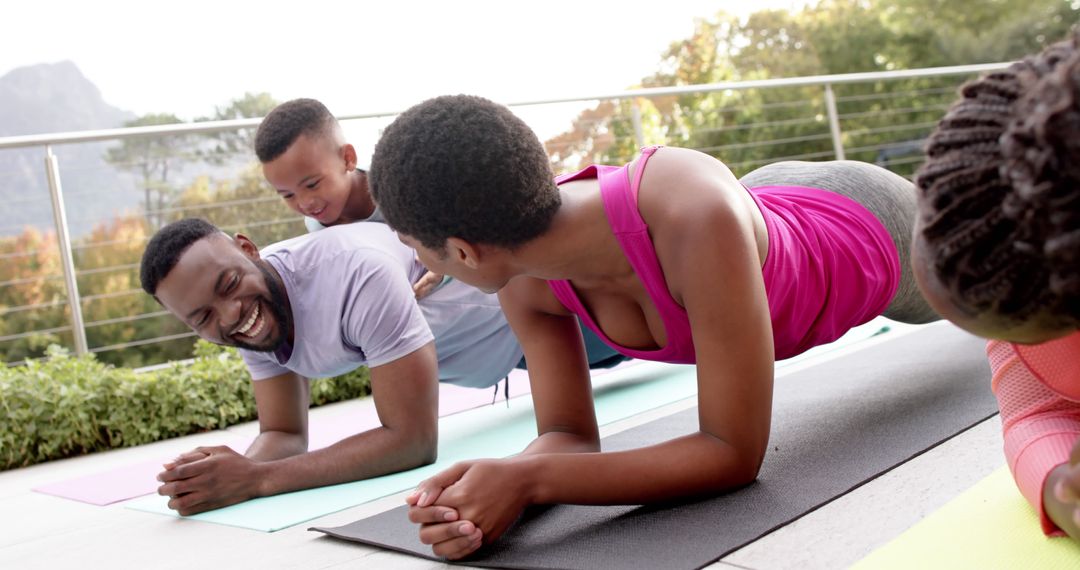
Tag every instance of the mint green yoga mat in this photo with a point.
(492, 431)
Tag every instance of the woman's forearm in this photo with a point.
(693, 465)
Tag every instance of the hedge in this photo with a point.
(64, 405)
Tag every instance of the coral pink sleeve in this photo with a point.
(1040, 425)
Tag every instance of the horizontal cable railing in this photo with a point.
(768, 142)
(804, 156)
(893, 112)
(94, 302)
(143, 342)
(879, 96)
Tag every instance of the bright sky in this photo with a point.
(186, 57)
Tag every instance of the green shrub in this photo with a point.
(64, 405)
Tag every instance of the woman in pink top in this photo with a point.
(996, 252)
(667, 258)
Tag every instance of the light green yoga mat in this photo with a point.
(491, 431)
(989, 526)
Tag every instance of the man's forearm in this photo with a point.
(376, 452)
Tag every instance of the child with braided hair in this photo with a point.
(996, 251)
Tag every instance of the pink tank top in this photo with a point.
(831, 265)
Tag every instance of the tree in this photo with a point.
(33, 297)
(225, 146)
(881, 121)
(151, 158)
(115, 308)
(942, 32)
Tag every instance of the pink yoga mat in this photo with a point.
(121, 483)
(130, 481)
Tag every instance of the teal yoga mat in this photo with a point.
(491, 431)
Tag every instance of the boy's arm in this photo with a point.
(427, 284)
(406, 399)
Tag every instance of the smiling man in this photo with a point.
(315, 306)
(321, 305)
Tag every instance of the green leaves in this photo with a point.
(64, 405)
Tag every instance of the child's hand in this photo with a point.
(426, 284)
(1061, 496)
(487, 495)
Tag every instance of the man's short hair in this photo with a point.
(462, 166)
(166, 247)
(280, 129)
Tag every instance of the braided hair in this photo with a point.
(999, 193)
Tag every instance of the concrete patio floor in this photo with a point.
(42, 531)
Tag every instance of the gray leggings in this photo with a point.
(890, 197)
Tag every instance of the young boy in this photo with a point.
(306, 159)
(319, 175)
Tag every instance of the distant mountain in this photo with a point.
(49, 98)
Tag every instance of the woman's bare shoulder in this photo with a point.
(530, 294)
(680, 186)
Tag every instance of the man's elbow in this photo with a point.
(423, 446)
(428, 451)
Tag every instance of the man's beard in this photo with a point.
(278, 304)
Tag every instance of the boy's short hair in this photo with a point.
(465, 167)
(166, 247)
(280, 129)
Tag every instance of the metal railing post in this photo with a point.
(635, 116)
(63, 238)
(834, 122)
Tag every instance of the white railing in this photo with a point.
(803, 146)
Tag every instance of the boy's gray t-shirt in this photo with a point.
(314, 225)
(350, 289)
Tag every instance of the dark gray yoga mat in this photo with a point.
(835, 426)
